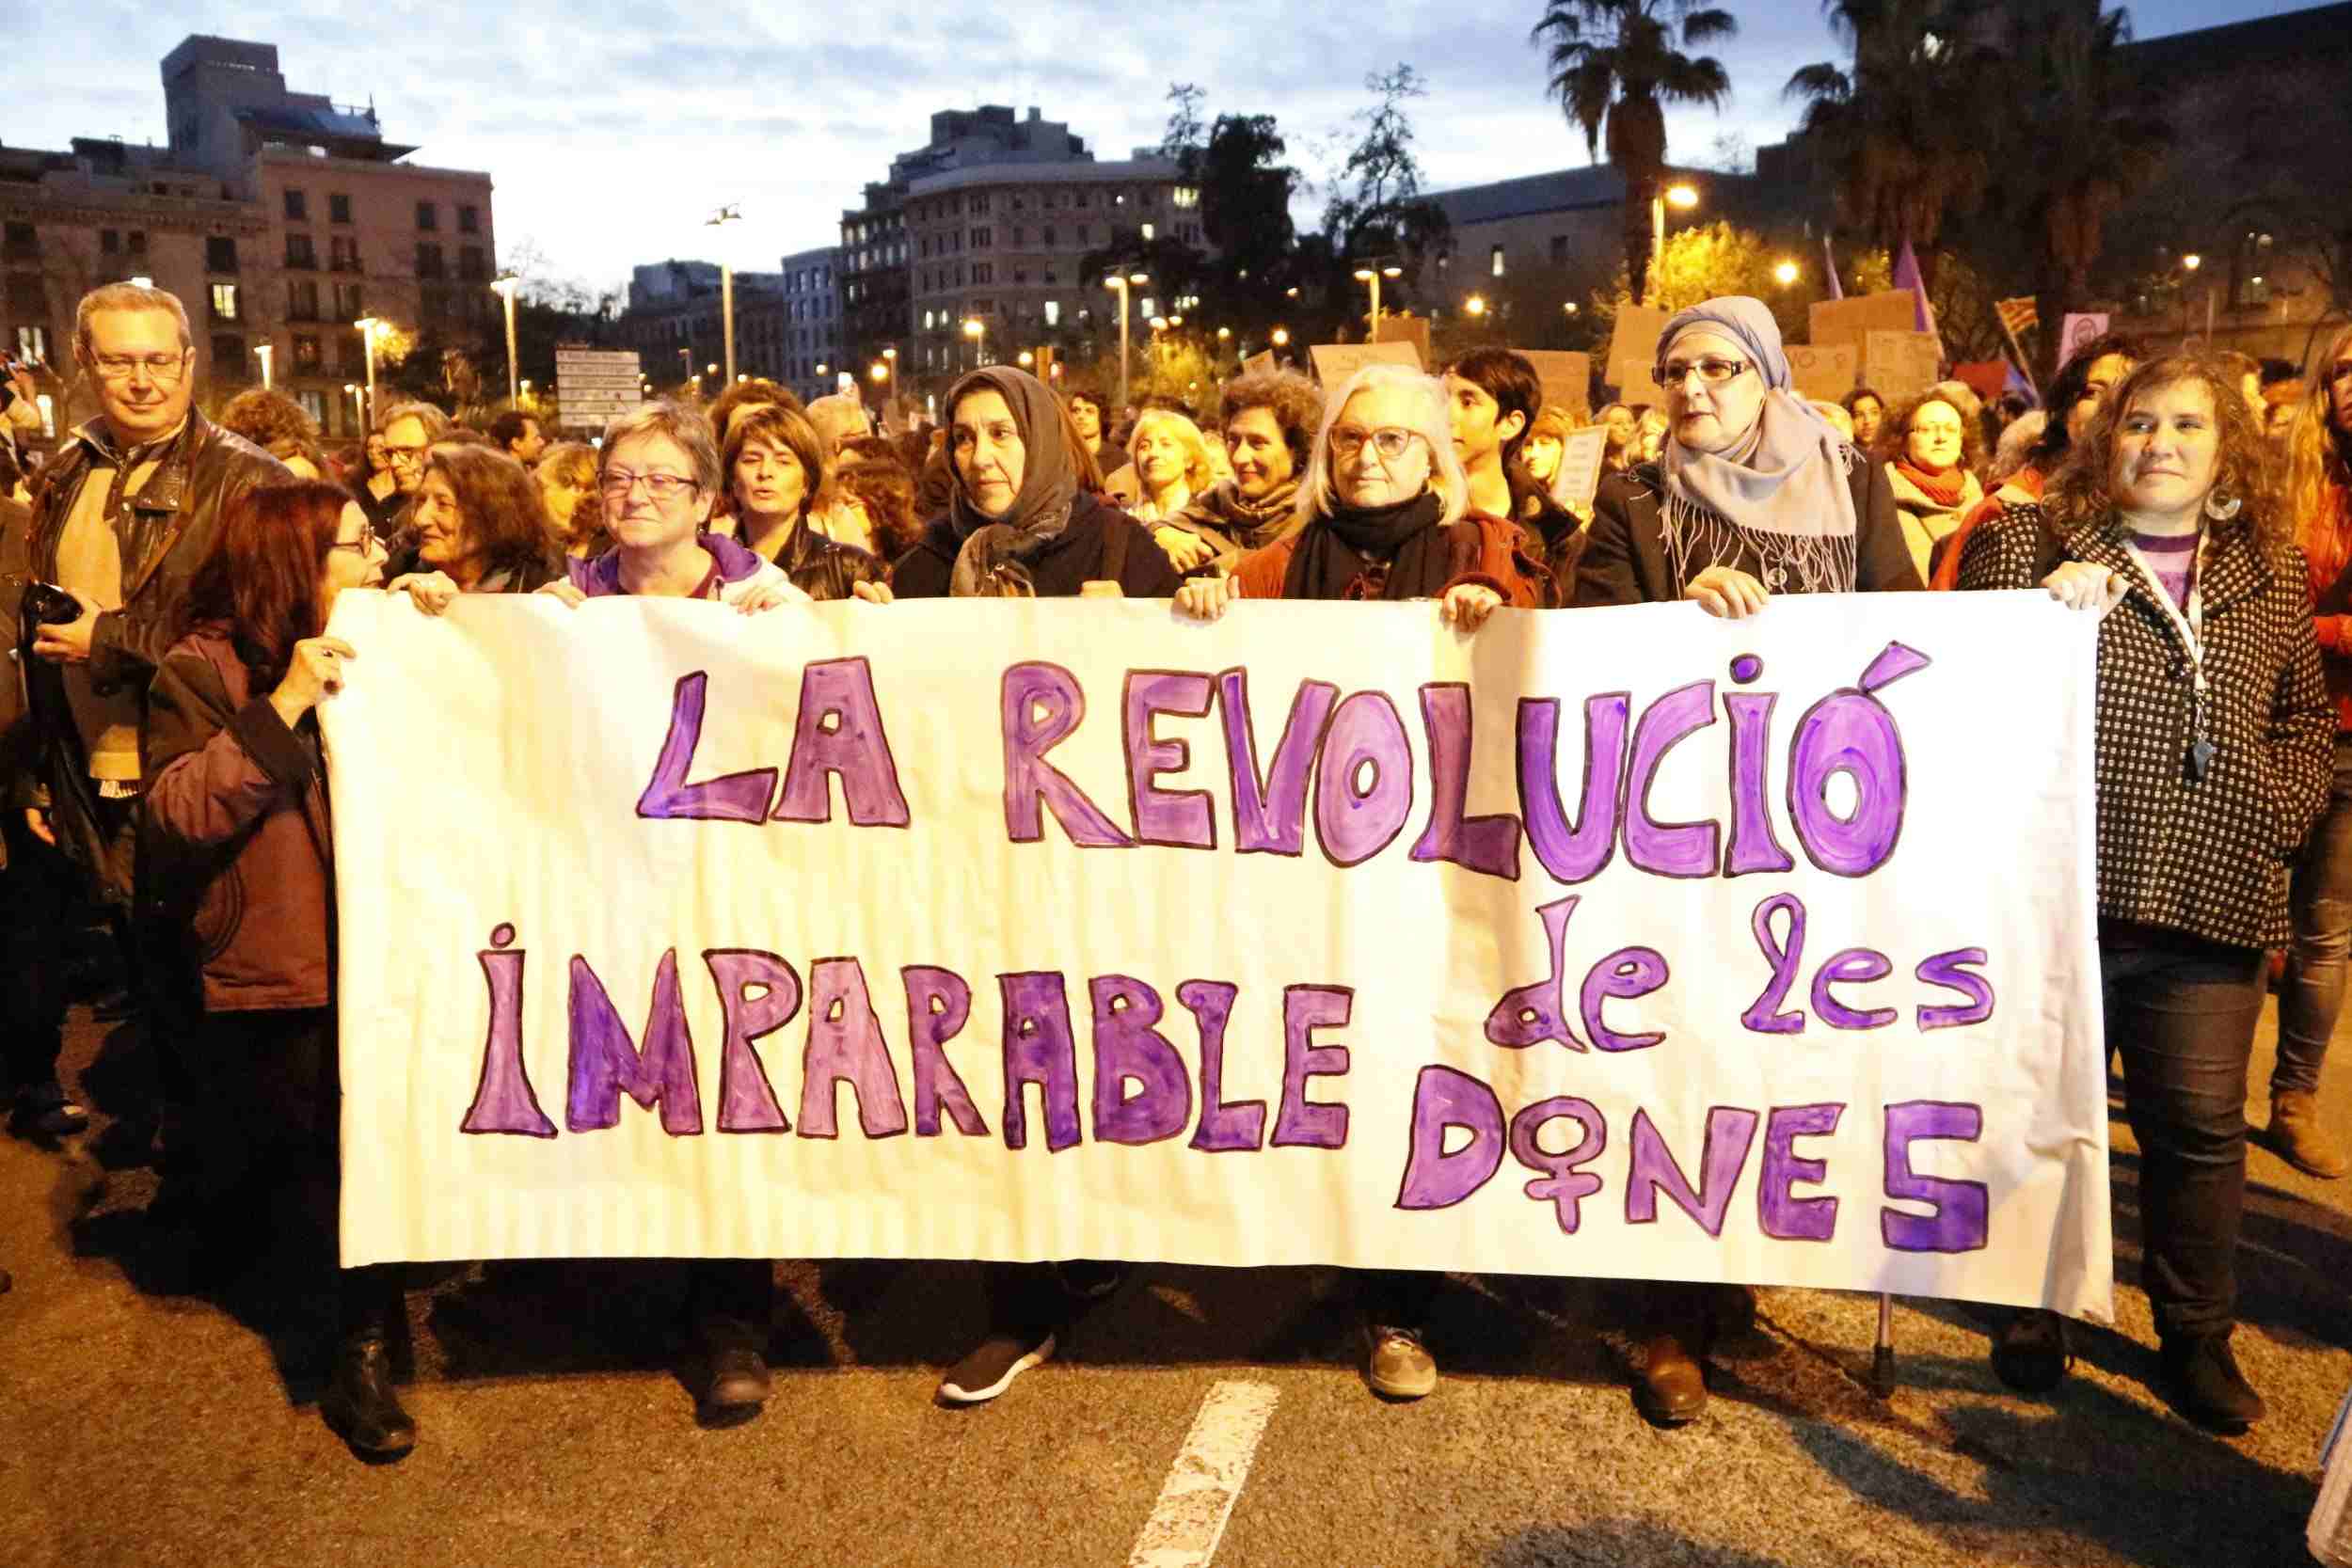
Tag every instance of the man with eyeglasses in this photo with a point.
(130, 509)
(408, 431)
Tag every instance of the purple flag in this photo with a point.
(1829, 269)
(1907, 276)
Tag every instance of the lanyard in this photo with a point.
(2190, 623)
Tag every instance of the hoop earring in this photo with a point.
(2222, 506)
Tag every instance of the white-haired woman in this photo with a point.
(1384, 513)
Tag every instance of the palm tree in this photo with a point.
(2095, 133)
(1615, 68)
(1899, 134)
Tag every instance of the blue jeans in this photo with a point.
(2181, 1011)
(2321, 903)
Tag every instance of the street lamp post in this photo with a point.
(890, 359)
(369, 326)
(976, 330)
(262, 352)
(354, 392)
(1124, 284)
(504, 284)
(719, 219)
(1371, 276)
(1679, 195)
(2191, 262)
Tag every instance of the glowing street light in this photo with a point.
(1281, 336)
(1475, 305)
(262, 352)
(976, 330)
(504, 284)
(1678, 194)
(1372, 277)
(1785, 274)
(1126, 284)
(370, 328)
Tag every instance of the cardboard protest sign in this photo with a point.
(1335, 362)
(1635, 336)
(1636, 381)
(1260, 361)
(1898, 365)
(1826, 371)
(1404, 329)
(1852, 320)
(1567, 378)
(1579, 475)
(2077, 331)
(1614, 942)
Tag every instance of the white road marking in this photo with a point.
(1206, 1480)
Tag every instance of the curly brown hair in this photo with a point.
(751, 391)
(2079, 494)
(885, 489)
(1293, 400)
(2316, 451)
(1895, 430)
(500, 502)
(264, 415)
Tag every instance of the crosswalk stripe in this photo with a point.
(1202, 1485)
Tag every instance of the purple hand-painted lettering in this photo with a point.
(1948, 970)
(1961, 1220)
(1175, 819)
(1558, 1182)
(1850, 732)
(1752, 847)
(1856, 966)
(732, 798)
(845, 1044)
(938, 1002)
(758, 995)
(1226, 1126)
(840, 735)
(1129, 1048)
(1483, 843)
(1539, 1010)
(1573, 854)
(1668, 849)
(1270, 812)
(605, 1061)
(1729, 1132)
(1365, 735)
(1445, 1098)
(1764, 1014)
(1779, 1212)
(1627, 972)
(1316, 1124)
(1039, 1047)
(503, 1100)
(1041, 704)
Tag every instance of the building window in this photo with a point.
(1559, 249)
(1078, 199)
(338, 208)
(428, 216)
(1080, 233)
(302, 299)
(109, 242)
(299, 253)
(298, 209)
(469, 220)
(344, 252)
(1148, 232)
(983, 272)
(347, 302)
(1046, 238)
(137, 242)
(224, 302)
(1187, 195)
(1052, 312)
(1494, 262)
(306, 351)
(229, 356)
(220, 254)
(315, 404)
(32, 342)
(473, 263)
(1020, 236)
(979, 203)
(2250, 286)
(428, 258)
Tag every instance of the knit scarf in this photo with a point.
(1336, 548)
(1945, 489)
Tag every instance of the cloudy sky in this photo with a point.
(612, 129)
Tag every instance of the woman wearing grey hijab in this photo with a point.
(1018, 510)
(1753, 493)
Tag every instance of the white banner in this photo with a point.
(1604, 942)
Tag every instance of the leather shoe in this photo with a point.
(738, 1385)
(359, 1402)
(2030, 1352)
(1671, 1387)
(2296, 1137)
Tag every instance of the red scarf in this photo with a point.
(1943, 490)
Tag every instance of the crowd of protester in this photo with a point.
(176, 576)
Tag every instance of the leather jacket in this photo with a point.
(165, 533)
(826, 568)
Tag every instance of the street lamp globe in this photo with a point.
(1785, 274)
(1681, 196)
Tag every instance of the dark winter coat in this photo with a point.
(1071, 559)
(2210, 858)
(1625, 560)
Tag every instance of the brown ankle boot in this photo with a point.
(2296, 1137)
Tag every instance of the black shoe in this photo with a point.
(116, 1007)
(46, 1111)
(2030, 1352)
(1090, 1280)
(359, 1402)
(737, 1383)
(990, 1370)
(2202, 1383)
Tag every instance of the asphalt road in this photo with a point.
(145, 1422)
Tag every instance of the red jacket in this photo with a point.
(236, 827)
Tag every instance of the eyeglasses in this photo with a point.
(164, 368)
(1391, 441)
(365, 546)
(406, 456)
(619, 483)
(1712, 372)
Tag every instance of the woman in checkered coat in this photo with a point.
(2213, 759)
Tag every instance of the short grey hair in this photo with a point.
(1432, 421)
(435, 424)
(126, 296)
(683, 423)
